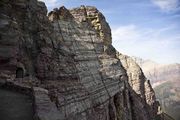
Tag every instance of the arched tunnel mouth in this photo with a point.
(19, 73)
(15, 105)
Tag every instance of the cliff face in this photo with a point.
(68, 63)
(165, 79)
(140, 85)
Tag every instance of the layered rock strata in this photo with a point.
(67, 59)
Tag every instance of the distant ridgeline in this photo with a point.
(165, 79)
(68, 63)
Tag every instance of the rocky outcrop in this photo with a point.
(139, 84)
(69, 63)
(96, 19)
(165, 79)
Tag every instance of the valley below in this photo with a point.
(165, 79)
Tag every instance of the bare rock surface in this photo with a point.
(165, 79)
(15, 106)
(140, 85)
(67, 59)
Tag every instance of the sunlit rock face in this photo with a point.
(67, 59)
(140, 84)
(165, 79)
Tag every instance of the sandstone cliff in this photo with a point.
(68, 63)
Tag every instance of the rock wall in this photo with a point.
(140, 85)
(68, 61)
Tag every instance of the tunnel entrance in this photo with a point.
(15, 106)
(19, 73)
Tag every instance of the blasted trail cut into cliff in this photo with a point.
(67, 59)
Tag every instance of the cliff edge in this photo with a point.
(67, 64)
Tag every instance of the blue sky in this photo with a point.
(149, 29)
